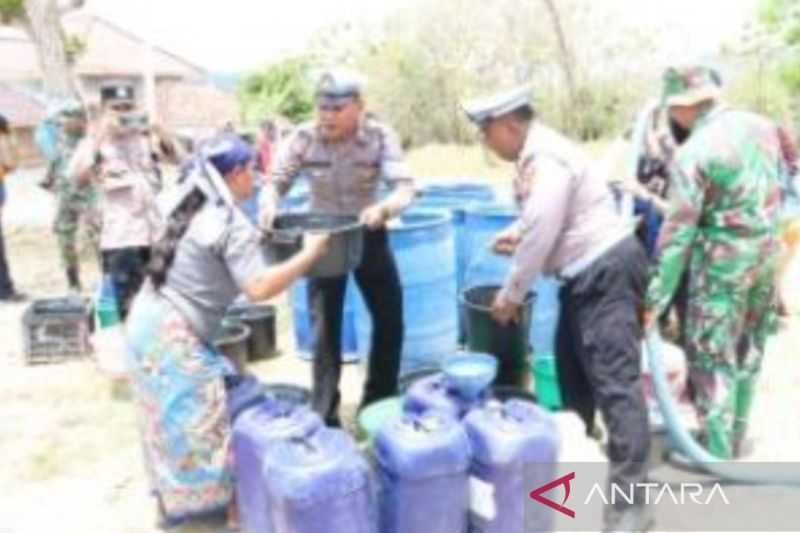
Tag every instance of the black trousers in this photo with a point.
(6, 285)
(379, 283)
(126, 266)
(599, 355)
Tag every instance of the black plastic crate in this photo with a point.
(55, 329)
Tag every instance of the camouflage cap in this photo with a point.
(65, 107)
(685, 86)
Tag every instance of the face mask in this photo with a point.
(678, 132)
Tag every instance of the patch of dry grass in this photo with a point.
(450, 160)
(472, 162)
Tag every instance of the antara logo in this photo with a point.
(537, 495)
(654, 493)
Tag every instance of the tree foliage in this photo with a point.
(284, 89)
(780, 20)
(431, 56)
(589, 69)
(11, 10)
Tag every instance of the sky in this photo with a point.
(234, 35)
(237, 35)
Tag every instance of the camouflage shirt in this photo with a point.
(724, 200)
(64, 185)
(344, 177)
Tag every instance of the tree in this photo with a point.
(284, 89)
(41, 19)
(564, 54)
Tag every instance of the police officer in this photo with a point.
(117, 158)
(346, 155)
(568, 228)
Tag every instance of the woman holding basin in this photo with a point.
(208, 255)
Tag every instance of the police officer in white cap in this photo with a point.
(346, 156)
(568, 229)
(117, 160)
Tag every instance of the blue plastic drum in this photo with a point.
(423, 242)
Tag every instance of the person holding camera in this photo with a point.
(117, 157)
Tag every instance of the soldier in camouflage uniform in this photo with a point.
(722, 225)
(76, 202)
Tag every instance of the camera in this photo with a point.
(134, 120)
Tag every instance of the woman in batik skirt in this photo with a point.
(209, 254)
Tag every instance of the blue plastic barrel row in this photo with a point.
(456, 195)
(423, 243)
(429, 259)
(428, 335)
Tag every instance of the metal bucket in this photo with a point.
(345, 249)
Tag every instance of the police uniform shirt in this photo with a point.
(344, 177)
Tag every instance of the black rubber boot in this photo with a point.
(74, 279)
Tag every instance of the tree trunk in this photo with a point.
(43, 24)
(565, 58)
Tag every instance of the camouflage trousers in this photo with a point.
(730, 318)
(76, 206)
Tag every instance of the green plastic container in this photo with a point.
(545, 378)
(373, 417)
(107, 314)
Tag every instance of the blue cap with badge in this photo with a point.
(482, 110)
